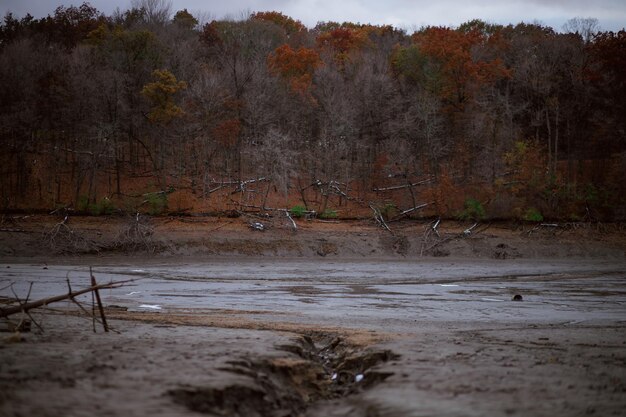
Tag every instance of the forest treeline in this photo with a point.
(149, 108)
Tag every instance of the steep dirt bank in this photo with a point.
(39, 235)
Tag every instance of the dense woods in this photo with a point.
(151, 109)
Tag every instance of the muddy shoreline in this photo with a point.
(161, 237)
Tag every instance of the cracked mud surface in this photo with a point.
(288, 337)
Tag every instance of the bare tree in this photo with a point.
(156, 12)
(586, 27)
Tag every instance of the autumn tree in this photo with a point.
(460, 74)
(296, 67)
(160, 93)
(289, 25)
(91, 106)
(185, 19)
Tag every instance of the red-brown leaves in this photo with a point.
(290, 25)
(227, 132)
(295, 66)
(342, 41)
(210, 35)
(453, 52)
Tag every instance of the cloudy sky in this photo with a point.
(406, 14)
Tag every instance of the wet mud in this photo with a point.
(288, 386)
(290, 337)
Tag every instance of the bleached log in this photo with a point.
(293, 223)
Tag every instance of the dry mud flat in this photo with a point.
(281, 337)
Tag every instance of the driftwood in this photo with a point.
(293, 223)
(8, 311)
(550, 226)
(467, 232)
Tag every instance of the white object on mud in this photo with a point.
(448, 285)
(138, 270)
(257, 226)
(334, 377)
(358, 378)
(134, 292)
(150, 306)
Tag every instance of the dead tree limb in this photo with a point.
(379, 218)
(408, 211)
(241, 186)
(136, 235)
(465, 233)
(434, 226)
(468, 231)
(94, 284)
(64, 239)
(552, 226)
(400, 187)
(293, 223)
(30, 288)
(5, 312)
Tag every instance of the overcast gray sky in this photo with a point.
(406, 14)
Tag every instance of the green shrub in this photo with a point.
(388, 211)
(533, 215)
(83, 203)
(328, 214)
(298, 211)
(104, 206)
(157, 203)
(472, 210)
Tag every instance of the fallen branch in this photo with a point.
(95, 291)
(63, 238)
(5, 312)
(541, 225)
(136, 235)
(400, 187)
(467, 232)
(405, 212)
(242, 184)
(293, 223)
(434, 227)
(30, 288)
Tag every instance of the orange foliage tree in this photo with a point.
(290, 25)
(342, 41)
(452, 52)
(161, 93)
(295, 66)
